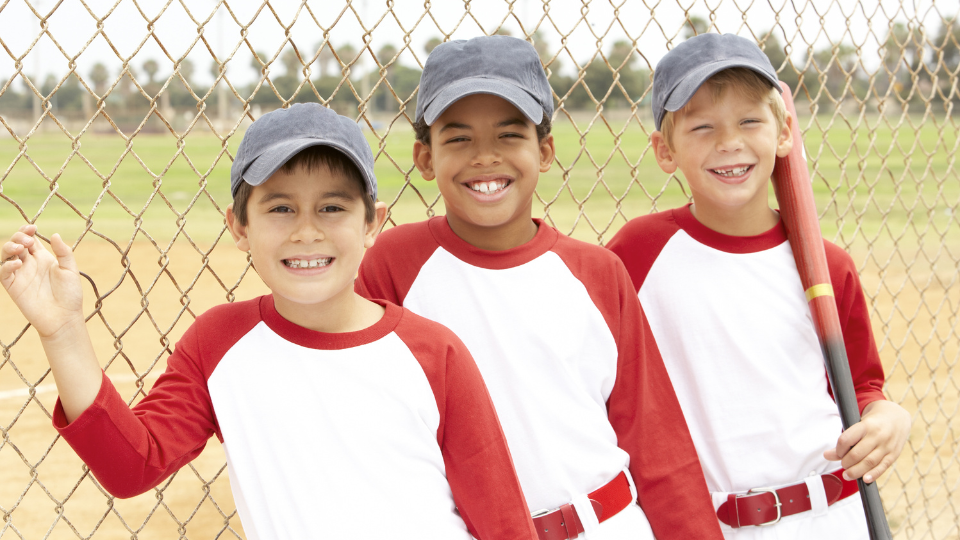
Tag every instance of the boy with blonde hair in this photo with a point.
(719, 284)
(553, 323)
(340, 417)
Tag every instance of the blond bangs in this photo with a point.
(747, 84)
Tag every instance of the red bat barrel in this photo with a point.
(791, 183)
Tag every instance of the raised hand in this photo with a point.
(45, 287)
(47, 290)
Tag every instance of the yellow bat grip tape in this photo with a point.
(823, 289)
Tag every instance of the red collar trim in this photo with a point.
(545, 239)
(730, 244)
(329, 341)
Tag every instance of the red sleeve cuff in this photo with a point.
(867, 398)
(66, 428)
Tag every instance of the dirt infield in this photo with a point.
(38, 472)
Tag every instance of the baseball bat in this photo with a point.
(791, 183)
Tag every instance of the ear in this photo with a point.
(374, 227)
(238, 231)
(547, 153)
(663, 153)
(423, 159)
(785, 141)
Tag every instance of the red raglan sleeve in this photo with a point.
(862, 354)
(133, 450)
(646, 415)
(478, 463)
(390, 267)
(640, 241)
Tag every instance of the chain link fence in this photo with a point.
(120, 119)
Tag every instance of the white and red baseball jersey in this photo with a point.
(565, 350)
(378, 433)
(736, 335)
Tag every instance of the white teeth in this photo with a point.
(487, 188)
(313, 263)
(731, 172)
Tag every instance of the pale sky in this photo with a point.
(127, 28)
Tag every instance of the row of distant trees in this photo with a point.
(916, 67)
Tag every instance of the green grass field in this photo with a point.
(873, 181)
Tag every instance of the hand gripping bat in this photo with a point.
(791, 183)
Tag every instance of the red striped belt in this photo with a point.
(564, 523)
(765, 506)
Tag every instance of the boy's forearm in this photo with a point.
(74, 365)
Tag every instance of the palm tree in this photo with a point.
(291, 63)
(326, 57)
(186, 71)
(386, 53)
(151, 67)
(99, 76)
(126, 86)
(347, 53)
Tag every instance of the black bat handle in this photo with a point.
(838, 370)
(873, 508)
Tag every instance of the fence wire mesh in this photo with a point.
(115, 136)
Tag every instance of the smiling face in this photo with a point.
(306, 232)
(486, 158)
(726, 147)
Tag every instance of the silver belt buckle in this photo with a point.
(541, 512)
(775, 498)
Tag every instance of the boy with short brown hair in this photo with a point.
(719, 284)
(553, 323)
(340, 417)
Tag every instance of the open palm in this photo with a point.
(45, 286)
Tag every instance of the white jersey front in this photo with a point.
(387, 431)
(737, 338)
(558, 334)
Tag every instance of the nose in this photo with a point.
(307, 229)
(729, 140)
(487, 154)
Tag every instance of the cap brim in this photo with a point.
(517, 97)
(270, 161)
(690, 83)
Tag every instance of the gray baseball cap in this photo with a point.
(279, 135)
(688, 65)
(504, 66)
